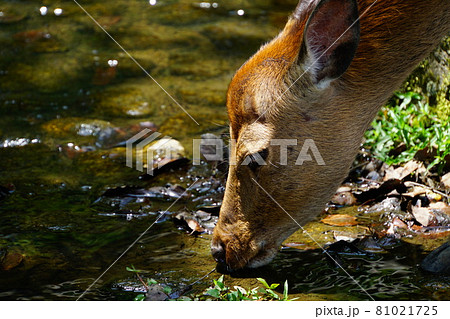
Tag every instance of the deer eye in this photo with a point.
(254, 161)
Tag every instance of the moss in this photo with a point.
(48, 73)
(432, 80)
(239, 38)
(73, 126)
(124, 101)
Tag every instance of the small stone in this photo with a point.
(156, 293)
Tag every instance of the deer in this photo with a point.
(322, 79)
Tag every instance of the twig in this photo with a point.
(430, 188)
(142, 281)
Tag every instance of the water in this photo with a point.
(68, 94)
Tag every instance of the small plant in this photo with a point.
(150, 282)
(219, 292)
(222, 292)
(409, 123)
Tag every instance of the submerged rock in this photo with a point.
(72, 127)
(438, 261)
(124, 102)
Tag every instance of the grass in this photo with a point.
(409, 125)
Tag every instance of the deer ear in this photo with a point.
(330, 40)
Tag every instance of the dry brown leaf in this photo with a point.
(402, 172)
(416, 190)
(435, 235)
(194, 225)
(445, 180)
(397, 222)
(12, 260)
(422, 215)
(300, 246)
(346, 236)
(441, 206)
(340, 220)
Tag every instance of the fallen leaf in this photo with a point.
(104, 75)
(348, 237)
(194, 225)
(422, 215)
(434, 234)
(445, 180)
(340, 220)
(416, 190)
(441, 206)
(299, 246)
(402, 172)
(397, 222)
(12, 260)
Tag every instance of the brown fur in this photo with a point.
(395, 36)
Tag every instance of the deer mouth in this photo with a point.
(233, 258)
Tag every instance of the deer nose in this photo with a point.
(218, 252)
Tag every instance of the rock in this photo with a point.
(389, 205)
(167, 148)
(438, 261)
(344, 199)
(124, 101)
(71, 127)
(156, 293)
(214, 151)
(432, 79)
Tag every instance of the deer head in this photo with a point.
(298, 110)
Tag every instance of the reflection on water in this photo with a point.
(68, 94)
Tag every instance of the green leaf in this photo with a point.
(241, 290)
(151, 282)
(272, 294)
(285, 291)
(265, 284)
(219, 285)
(140, 297)
(274, 286)
(132, 269)
(167, 290)
(213, 293)
(184, 298)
